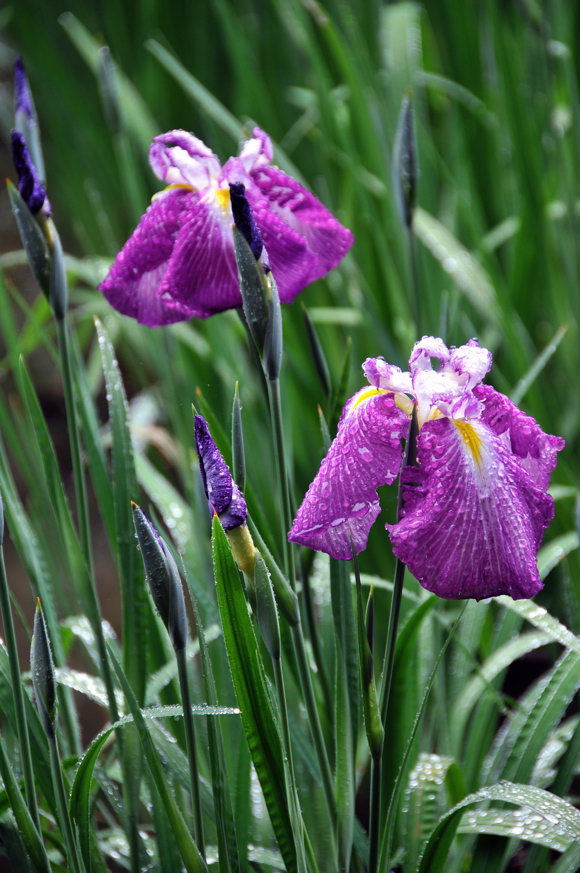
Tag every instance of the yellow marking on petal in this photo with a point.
(365, 395)
(404, 403)
(222, 195)
(471, 439)
(180, 185)
(172, 187)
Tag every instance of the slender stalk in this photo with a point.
(21, 725)
(92, 604)
(278, 433)
(314, 722)
(190, 743)
(302, 662)
(415, 283)
(92, 600)
(299, 838)
(74, 858)
(385, 693)
(390, 814)
(376, 799)
(314, 639)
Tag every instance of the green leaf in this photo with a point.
(555, 551)
(519, 823)
(424, 803)
(499, 661)
(552, 810)
(134, 110)
(136, 606)
(28, 832)
(523, 734)
(80, 793)
(192, 859)
(463, 268)
(252, 692)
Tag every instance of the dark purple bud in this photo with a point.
(244, 219)
(24, 102)
(223, 495)
(30, 187)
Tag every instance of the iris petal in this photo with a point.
(521, 434)
(201, 273)
(342, 504)
(300, 210)
(473, 518)
(132, 285)
(179, 157)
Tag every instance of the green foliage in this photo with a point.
(482, 734)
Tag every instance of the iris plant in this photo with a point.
(180, 261)
(474, 504)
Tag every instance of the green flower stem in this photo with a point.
(74, 860)
(278, 431)
(301, 659)
(21, 726)
(293, 801)
(385, 693)
(415, 284)
(387, 834)
(191, 751)
(314, 639)
(91, 597)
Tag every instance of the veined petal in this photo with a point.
(471, 362)
(325, 237)
(473, 518)
(426, 348)
(257, 151)
(180, 158)
(201, 274)
(293, 264)
(521, 434)
(133, 283)
(387, 376)
(341, 503)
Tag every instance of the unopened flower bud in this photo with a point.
(30, 187)
(42, 670)
(163, 579)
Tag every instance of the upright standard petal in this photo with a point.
(135, 283)
(342, 503)
(473, 518)
(180, 158)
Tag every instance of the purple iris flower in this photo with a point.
(180, 260)
(223, 495)
(30, 187)
(474, 506)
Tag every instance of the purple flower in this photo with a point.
(474, 507)
(180, 260)
(223, 495)
(30, 187)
